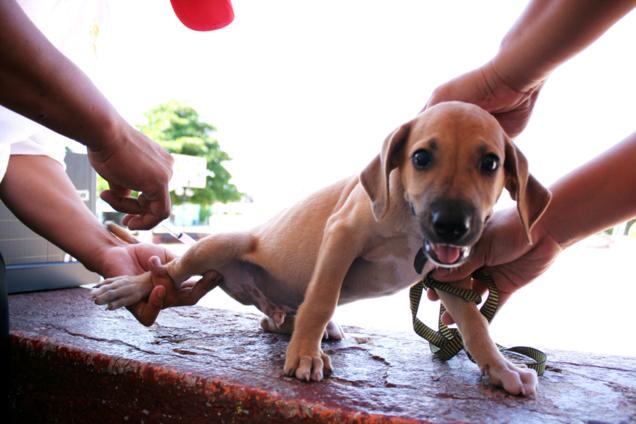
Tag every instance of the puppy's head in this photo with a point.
(454, 160)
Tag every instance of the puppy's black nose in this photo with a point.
(450, 223)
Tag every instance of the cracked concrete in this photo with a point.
(75, 362)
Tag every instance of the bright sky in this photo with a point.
(304, 92)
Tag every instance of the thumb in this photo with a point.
(156, 298)
(156, 268)
(147, 312)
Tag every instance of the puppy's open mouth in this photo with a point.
(446, 255)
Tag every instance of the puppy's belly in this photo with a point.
(250, 284)
(367, 279)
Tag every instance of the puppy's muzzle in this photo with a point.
(449, 231)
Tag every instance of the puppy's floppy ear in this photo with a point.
(532, 198)
(375, 177)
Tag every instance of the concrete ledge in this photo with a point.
(74, 362)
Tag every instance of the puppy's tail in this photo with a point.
(120, 232)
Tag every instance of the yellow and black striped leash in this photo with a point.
(447, 342)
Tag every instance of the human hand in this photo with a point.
(488, 90)
(134, 259)
(134, 162)
(504, 253)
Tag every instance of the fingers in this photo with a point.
(446, 317)
(155, 300)
(121, 201)
(146, 312)
(118, 190)
(208, 281)
(134, 162)
(144, 212)
(191, 292)
(432, 295)
(144, 221)
(155, 207)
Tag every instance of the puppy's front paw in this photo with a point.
(515, 379)
(306, 364)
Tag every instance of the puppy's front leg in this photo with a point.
(340, 246)
(473, 326)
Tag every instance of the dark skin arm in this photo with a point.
(54, 210)
(548, 33)
(39, 82)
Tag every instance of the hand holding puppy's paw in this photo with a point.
(127, 290)
(515, 379)
(306, 364)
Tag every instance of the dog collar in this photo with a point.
(420, 261)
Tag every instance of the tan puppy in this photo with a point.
(433, 186)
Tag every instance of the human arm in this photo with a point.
(548, 33)
(593, 197)
(40, 194)
(39, 82)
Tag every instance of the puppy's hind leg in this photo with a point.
(333, 332)
(214, 252)
(274, 325)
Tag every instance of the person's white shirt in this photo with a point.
(73, 26)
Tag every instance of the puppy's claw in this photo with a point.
(303, 372)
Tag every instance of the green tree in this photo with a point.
(178, 128)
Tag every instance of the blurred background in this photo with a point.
(294, 95)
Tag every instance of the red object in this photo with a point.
(203, 15)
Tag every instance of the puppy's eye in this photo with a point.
(422, 159)
(489, 163)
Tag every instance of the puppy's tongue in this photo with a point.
(446, 254)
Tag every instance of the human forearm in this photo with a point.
(548, 33)
(39, 193)
(593, 197)
(38, 81)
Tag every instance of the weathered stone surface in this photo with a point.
(75, 362)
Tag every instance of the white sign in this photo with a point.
(188, 172)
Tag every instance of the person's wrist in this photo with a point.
(508, 72)
(108, 259)
(110, 132)
(541, 234)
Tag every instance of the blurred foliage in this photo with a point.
(178, 129)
